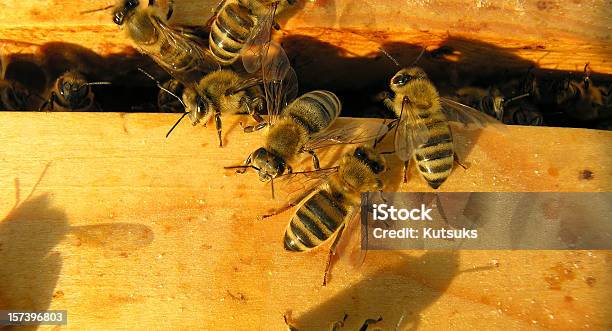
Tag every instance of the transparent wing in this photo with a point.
(295, 184)
(180, 46)
(470, 117)
(410, 133)
(280, 80)
(348, 253)
(347, 134)
(257, 43)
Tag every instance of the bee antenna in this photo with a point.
(587, 75)
(389, 56)
(163, 88)
(419, 57)
(177, 122)
(96, 10)
(98, 83)
(272, 186)
(516, 98)
(242, 167)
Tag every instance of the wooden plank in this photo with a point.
(525, 32)
(127, 229)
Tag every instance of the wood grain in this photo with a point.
(129, 230)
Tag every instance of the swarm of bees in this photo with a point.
(239, 69)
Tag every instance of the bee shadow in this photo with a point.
(30, 266)
(398, 294)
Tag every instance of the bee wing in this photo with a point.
(470, 117)
(296, 183)
(280, 80)
(257, 43)
(410, 132)
(348, 250)
(347, 134)
(185, 44)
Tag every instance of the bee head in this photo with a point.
(199, 110)
(72, 88)
(406, 76)
(125, 9)
(268, 164)
(361, 169)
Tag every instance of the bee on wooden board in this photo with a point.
(219, 92)
(296, 127)
(329, 205)
(241, 28)
(422, 125)
(72, 92)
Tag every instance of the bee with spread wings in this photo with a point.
(422, 126)
(297, 126)
(328, 203)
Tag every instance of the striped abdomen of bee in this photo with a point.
(307, 115)
(317, 219)
(230, 30)
(315, 111)
(173, 50)
(434, 158)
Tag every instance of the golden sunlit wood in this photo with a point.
(127, 229)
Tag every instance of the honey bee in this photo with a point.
(219, 92)
(242, 27)
(330, 206)
(178, 52)
(578, 99)
(72, 92)
(13, 95)
(422, 125)
(301, 126)
(490, 102)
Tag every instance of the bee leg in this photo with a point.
(315, 159)
(406, 165)
(456, 158)
(253, 128)
(369, 321)
(245, 164)
(332, 252)
(253, 110)
(218, 125)
(289, 205)
(170, 9)
(50, 103)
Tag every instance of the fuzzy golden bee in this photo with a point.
(422, 126)
(72, 92)
(180, 53)
(329, 205)
(221, 92)
(241, 27)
